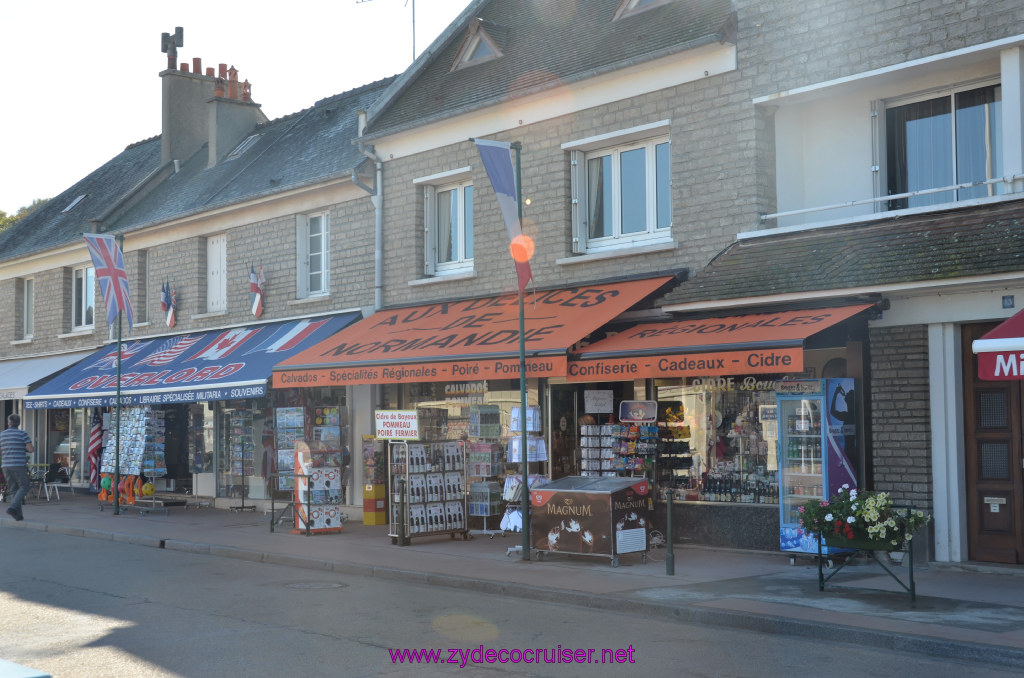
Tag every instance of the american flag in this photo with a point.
(169, 351)
(95, 445)
(256, 284)
(109, 264)
(168, 302)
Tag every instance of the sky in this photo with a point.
(79, 81)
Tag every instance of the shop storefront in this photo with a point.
(198, 405)
(713, 433)
(457, 365)
(57, 438)
(689, 405)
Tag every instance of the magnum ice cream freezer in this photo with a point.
(591, 516)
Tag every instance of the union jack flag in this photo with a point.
(168, 302)
(109, 264)
(256, 284)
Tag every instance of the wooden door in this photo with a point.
(993, 425)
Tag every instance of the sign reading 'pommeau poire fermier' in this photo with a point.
(397, 424)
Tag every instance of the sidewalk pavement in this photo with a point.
(967, 611)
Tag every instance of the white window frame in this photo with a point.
(649, 137)
(310, 283)
(458, 180)
(28, 294)
(83, 295)
(216, 273)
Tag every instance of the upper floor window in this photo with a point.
(943, 141)
(28, 299)
(448, 222)
(216, 273)
(621, 192)
(313, 242)
(83, 299)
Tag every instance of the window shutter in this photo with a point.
(301, 256)
(216, 275)
(577, 179)
(429, 230)
(326, 219)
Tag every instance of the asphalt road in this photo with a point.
(73, 607)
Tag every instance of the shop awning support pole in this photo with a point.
(117, 407)
(525, 508)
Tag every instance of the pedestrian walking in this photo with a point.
(15, 446)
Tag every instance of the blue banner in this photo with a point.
(197, 367)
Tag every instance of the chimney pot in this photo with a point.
(233, 83)
(209, 71)
(197, 65)
(247, 92)
(218, 88)
(222, 71)
(184, 67)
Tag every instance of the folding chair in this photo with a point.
(49, 481)
(64, 477)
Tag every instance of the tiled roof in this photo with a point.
(971, 241)
(50, 227)
(544, 45)
(297, 150)
(304, 148)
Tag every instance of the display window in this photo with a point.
(717, 439)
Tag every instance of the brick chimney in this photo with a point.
(198, 109)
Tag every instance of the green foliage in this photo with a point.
(851, 514)
(6, 221)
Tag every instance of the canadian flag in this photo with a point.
(225, 343)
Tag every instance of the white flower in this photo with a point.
(829, 517)
(853, 494)
(846, 486)
(853, 507)
(851, 520)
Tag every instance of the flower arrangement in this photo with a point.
(854, 515)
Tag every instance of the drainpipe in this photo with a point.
(377, 198)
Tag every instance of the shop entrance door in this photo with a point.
(993, 428)
(564, 444)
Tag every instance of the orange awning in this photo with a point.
(463, 340)
(758, 343)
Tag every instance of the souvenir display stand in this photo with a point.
(428, 487)
(485, 464)
(589, 516)
(536, 454)
(242, 449)
(141, 433)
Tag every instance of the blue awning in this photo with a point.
(196, 367)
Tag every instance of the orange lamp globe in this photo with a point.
(521, 248)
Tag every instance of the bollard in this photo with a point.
(401, 512)
(670, 557)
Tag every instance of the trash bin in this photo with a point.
(591, 516)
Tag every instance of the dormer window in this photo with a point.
(628, 8)
(480, 46)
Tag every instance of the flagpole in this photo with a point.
(525, 508)
(117, 428)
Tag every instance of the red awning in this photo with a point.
(1001, 351)
(464, 340)
(758, 343)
